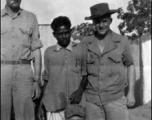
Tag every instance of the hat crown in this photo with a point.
(99, 9)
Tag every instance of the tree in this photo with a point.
(136, 22)
(85, 29)
(137, 19)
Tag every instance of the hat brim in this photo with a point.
(96, 16)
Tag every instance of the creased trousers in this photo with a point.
(16, 85)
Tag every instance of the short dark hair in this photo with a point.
(60, 21)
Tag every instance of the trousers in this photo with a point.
(116, 110)
(16, 85)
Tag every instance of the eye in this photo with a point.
(105, 21)
(97, 21)
(59, 34)
(67, 33)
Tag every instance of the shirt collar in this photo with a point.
(112, 35)
(69, 47)
(5, 12)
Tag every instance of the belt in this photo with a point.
(15, 62)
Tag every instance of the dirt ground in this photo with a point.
(141, 113)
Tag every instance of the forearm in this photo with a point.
(77, 95)
(37, 63)
(83, 83)
(44, 86)
(131, 78)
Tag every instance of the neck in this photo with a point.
(64, 46)
(101, 37)
(12, 11)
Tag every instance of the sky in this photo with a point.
(76, 10)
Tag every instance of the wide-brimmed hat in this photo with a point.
(99, 10)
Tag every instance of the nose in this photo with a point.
(101, 24)
(63, 36)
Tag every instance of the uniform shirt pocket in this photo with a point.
(4, 37)
(3, 31)
(113, 81)
(26, 30)
(75, 65)
(91, 58)
(26, 35)
(116, 58)
(92, 63)
(114, 63)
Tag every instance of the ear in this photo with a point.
(111, 20)
(71, 31)
(54, 34)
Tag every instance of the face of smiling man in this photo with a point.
(102, 25)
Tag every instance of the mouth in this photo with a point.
(64, 42)
(101, 28)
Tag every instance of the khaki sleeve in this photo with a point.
(35, 42)
(127, 54)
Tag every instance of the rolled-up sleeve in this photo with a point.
(35, 42)
(127, 54)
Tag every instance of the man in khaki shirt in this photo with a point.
(20, 45)
(108, 54)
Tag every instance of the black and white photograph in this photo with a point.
(75, 59)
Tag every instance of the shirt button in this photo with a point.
(12, 27)
(100, 82)
(13, 46)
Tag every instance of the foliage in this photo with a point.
(84, 29)
(137, 19)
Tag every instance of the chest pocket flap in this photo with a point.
(115, 57)
(3, 30)
(26, 30)
(91, 57)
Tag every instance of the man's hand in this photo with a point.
(130, 99)
(41, 112)
(76, 96)
(131, 81)
(36, 91)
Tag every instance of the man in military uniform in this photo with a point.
(107, 57)
(20, 45)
